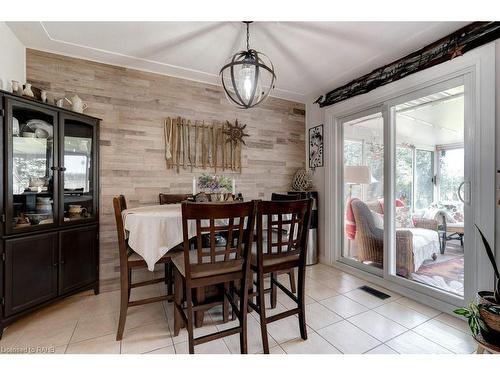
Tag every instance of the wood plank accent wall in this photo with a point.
(133, 106)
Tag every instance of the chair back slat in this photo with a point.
(212, 221)
(229, 241)
(241, 229)
(199, 241)
(280, 233)
(282, 241)
(292, 231)
(212, 240)
(119, 205)
(269, 231)
(173, 198)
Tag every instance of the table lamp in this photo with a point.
(357, 174)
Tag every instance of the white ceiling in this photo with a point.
(309, 57)
(427, 122)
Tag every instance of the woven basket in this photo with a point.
(492, 320)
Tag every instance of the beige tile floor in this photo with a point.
(340, 319)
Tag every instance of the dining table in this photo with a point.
(153, 231)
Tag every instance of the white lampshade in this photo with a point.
(358, 174)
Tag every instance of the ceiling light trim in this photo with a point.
(124, 55)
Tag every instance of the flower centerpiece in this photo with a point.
(217, 188)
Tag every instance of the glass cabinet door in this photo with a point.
(31, 161)
(78, 167)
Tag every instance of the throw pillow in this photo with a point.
(403, 217)
(378, 219)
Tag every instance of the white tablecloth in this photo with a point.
(154, 230)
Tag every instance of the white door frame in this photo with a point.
(479, 65)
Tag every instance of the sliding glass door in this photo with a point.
(363, 190)
(429, 211)
(405, 189)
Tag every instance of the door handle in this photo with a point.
(459, 192)
(466, 198)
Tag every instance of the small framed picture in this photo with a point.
(316, 147)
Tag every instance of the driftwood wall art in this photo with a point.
(447, 48)
(203, 145)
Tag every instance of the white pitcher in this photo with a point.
(77, 104)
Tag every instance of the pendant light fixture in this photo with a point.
(248, 77)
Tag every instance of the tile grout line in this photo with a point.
(72, 333)
(415, 332)
(378, 346)
(433, 340)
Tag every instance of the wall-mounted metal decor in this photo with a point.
(316, 147)
(456, 44)
(202, 145)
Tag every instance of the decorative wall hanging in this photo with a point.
(199, 145)
(316, 147)
(248, 77)
(456, 44)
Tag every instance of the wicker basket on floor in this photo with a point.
(490, 318)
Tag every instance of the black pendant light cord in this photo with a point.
(248, 36)
(248, 33)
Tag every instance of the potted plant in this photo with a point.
(484, 316)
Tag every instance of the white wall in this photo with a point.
(315, 116)
(12, 58)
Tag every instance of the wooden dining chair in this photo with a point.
(173, 198)
(215, 265)
(130, 260)
(291, 274)
(281, 252)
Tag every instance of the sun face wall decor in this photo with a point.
(235, 133)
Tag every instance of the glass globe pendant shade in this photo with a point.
(248, 78)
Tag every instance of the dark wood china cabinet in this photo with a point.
(49, 208)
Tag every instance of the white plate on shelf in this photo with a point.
(45, 130)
